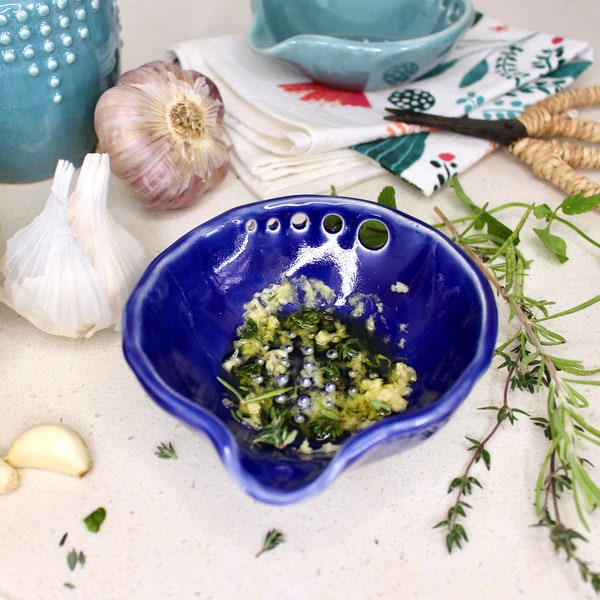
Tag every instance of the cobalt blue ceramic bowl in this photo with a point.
(182, 317)
(357, 45)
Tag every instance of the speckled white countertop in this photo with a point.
(182, 529)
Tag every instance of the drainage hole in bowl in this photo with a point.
(299, 221)
(273, 224)
(333, 223)
(373, 234)
(251, 225)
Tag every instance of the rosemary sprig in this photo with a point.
(532, 367)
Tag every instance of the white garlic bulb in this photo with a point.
(48, 279)
(162, 127)
(117, 256)
(73, 280)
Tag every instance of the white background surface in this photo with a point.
(183, 529)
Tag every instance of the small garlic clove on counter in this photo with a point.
(50, 446)
(48, 279)
(116, 255)
(9, 477)
(162, 127)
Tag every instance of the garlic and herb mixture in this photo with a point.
(309, 373)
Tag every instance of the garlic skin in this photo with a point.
(9, 477)
(50, 446)
(117, 256)
(48, 279)
(162, 127)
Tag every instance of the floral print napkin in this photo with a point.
(290, 135)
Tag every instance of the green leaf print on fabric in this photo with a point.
(396, 154)
(477, 73)
(570, 70)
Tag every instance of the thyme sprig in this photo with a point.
(273, 538)
(166, 451)
(531, 366)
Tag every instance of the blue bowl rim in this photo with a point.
(419, 422)
(378, 49)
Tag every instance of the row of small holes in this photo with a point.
(373, 234)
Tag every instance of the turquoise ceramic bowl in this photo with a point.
(56, 58)
(356, 44)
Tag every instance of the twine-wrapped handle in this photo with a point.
(555, 160)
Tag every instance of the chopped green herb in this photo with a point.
(165, 451)
(63, 539)
(273, 538)
(69, 585)
(95, 519)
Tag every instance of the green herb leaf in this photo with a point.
(273, 538)
(387, 197)
(95, 519)
(278, 432)
(165, 451)
(74, 558)
(553, 243)
(578, 204)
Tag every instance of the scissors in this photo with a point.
(532, 136)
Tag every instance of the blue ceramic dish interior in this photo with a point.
(181, 319)
(353, 45)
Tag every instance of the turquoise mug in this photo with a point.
(56, 59)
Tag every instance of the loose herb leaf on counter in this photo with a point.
(565, 473)
(74, 558)
(95, 519)
(273, 538)
(165, 451)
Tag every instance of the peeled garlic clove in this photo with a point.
(116, 255)
(51, 446)
(161, 126)
(9, 477)
(48, 279)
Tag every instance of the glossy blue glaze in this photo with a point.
(181, 319)
(56, 58)
(358, 45)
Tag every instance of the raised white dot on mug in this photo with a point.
(28, 52)
(8, 56)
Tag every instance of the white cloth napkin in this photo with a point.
(289, 135)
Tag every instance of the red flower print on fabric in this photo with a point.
(310, 91)
(446, 156)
